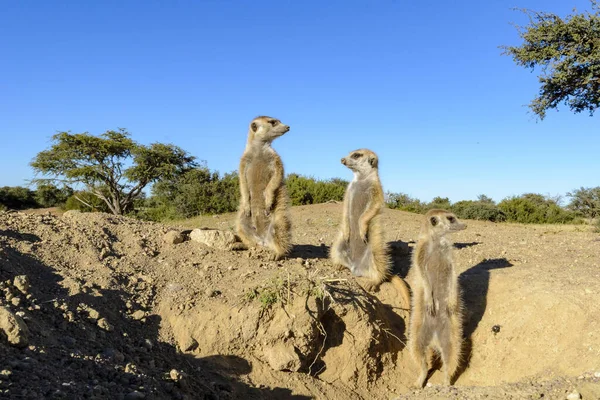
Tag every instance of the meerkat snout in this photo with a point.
(344, 160)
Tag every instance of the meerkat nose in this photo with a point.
(344, 161)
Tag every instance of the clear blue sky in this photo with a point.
(423, 84)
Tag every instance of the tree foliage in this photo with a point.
(568, 52)
(195, 192)
(111, 166)
(532, 208)
(17, 198)
(307, 190)
(48, 195)
(585, 201)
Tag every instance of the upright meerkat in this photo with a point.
(263, 215)
(436, 316)
(360, 245)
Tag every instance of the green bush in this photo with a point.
(17, 198)
(48, 195)
(307, 190)
(195, 192)
(402, 201)
(585, 201)
(534, 208)
(92, 203)
(442, 203)
(485, 211)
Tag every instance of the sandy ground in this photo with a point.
(112, 311)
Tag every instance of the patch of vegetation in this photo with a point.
(534, 208)
(307, 190)
(17, 198)
(484, 211)
(585, 201)
(402, 201)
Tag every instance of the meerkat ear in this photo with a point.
(373, 161)
(253, 126)
(433, 221)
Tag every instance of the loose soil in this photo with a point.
(114, 311)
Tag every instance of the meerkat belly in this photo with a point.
(358, 205)
(258, 175)
(439, 276)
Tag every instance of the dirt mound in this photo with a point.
(110, 309)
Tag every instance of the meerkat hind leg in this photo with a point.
(340, 255)
(246, 232)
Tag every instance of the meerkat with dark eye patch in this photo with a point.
(360, 244)
(263, 213)
(436, 314)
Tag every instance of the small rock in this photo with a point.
(188, 344)
(574, 395)
(130, 368)
(173, 237)
(283, 357)
(137, 315)
(15, 301)
(135, 395)
(14, 328)
(104, 324)
(21, 282)
(597, 374)
(6, 372)
(93, 314)
(219, 239)
(148, 344)
(175, 375)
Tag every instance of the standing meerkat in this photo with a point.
(263, 215)
(436, 315)
(360, 245)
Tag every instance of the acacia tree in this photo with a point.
(111, 166)
(568, 52)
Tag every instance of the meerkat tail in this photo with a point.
(402, 287)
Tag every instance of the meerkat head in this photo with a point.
(266, 129)
(362, 161)
(442, 222)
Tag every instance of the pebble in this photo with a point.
(137, 315)
(574, 395)
(104, 324)
(597, 374)
(16, 301)
(21, 282)
(175, 375)
(135, 395)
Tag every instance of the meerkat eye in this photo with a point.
(273, 122)
(451, 219)
(356, 155)
(433, 221)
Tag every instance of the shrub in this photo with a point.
(92, 203)
(585, 201)
(195, 192)
(307, 190)
(48, 195)
(17, 197)
(402, 201)
(534, 208)
(485, 211)
(438, 202)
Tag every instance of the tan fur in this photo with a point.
(436, 315)
(360, 245)
(263, 213)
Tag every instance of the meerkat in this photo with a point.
(263, 213)
(360, 245)
(436, 315)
